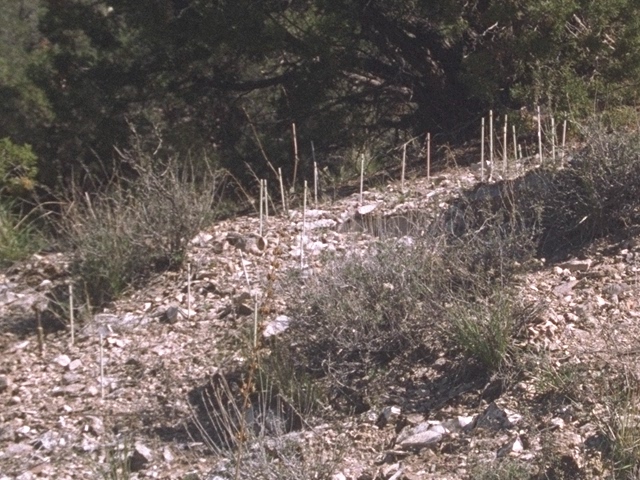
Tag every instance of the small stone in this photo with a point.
(69, 378)
(276, 326)
(167, 454)
(389, 414)
(92, 390)
(96, 425)
(4, 383)
(140, 458)
(75, 364)
(171, 315)
(62, 360)
(576, 265)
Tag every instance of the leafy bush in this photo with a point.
(138, 227)
(17, 168)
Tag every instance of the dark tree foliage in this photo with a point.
(228, 77)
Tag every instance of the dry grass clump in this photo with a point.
(485, 328)
(598, 193)
(257, 433)
(19, 235)
(138, 226)
(366, 312)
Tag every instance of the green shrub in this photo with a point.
(17, 168)
(138, 227)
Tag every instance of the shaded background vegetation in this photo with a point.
(77, 77)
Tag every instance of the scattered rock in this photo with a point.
(276, 326)
(62, 360)
(140, 458)
(4, 383)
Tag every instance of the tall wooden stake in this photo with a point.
(315, 174)
(188, 290)
(553, 139)
(71, 315)
(261, 204)
(490, 144)
(428, 156)
(564, 137)
(304, 225)
(540, 136)
(315, 183)
(361, 177)
(504, 147)
(284, 204)
(266, 201)
(482, 150)
(404, 161)
(296, 159)
(101, 367)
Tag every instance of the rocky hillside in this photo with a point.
(162, 383)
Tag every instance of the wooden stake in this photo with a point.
(40, 332)
(255, 323)
(490, 144)
(515, 143)
(315, 175)
(564, 137)
(101, 368)
(261, 204)
(71, 315)
(553, 138)
(188, 290)
(428, 156)
(266, 201)
(482, 150)
(504, 147)
(315, 183)
(304, 225)
(540, 136)
(361, 177)
(296, 159)
(404, 160)
(284, 204)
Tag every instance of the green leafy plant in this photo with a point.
(18, 168)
